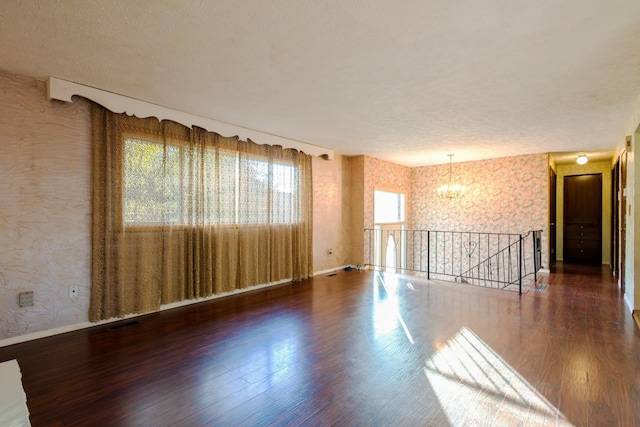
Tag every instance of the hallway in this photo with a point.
(352, 349)
(592, 346)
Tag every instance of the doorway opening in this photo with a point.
(583, 218)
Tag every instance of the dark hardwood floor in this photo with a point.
(354, 349)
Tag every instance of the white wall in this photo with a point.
(632, 265)
(632, 288)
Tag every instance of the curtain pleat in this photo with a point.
(183, 213)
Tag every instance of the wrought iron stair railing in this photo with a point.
(485, 259)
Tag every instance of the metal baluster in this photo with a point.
(520, 268)
(428, 253)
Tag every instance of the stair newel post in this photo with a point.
(534, 236)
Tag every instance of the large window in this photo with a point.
(181, 213)
(170, 184)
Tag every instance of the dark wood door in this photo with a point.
(552, 216)
(582, 218)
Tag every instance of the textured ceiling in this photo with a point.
(407, 81)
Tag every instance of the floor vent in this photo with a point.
(123, 325)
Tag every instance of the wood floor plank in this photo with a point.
(357, 348)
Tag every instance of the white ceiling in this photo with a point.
(407, 80)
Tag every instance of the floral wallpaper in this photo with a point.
(387, 176)
(383, 175)
(503, 195)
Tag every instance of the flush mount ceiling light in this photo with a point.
(450, 191)
(582, 159)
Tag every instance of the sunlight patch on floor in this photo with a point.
(475, 386)
(386, 312)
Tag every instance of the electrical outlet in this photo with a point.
(73, 292)
(25, 299)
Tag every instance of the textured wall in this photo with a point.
(356, 208)
(45, 159)
(590, 168)
(331, 214)
(45, 211)
(504, 195)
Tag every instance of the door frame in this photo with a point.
(615, 218)
(553, 220)
(623, 218)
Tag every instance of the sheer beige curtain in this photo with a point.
(182, 213)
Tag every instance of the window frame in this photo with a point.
(181, 224)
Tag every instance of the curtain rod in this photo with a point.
(64, 90)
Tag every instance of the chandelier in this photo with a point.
(450, 191)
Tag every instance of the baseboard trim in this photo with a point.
(331, 270)
(47, 333)
(636, 317)
(83, 325)
(629, 304)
